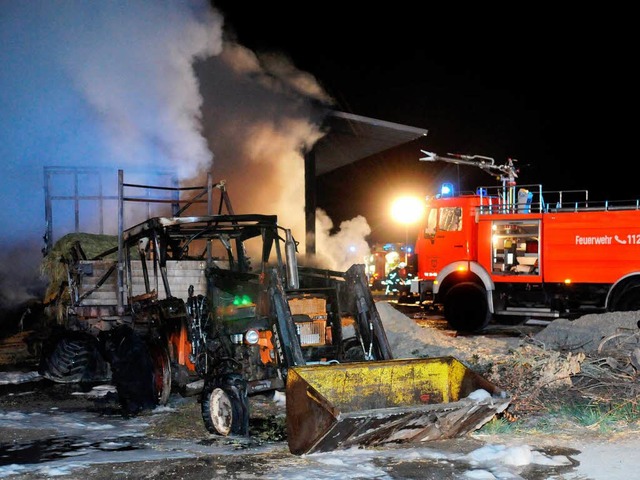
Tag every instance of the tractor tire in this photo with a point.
(353, 351)
(161, 374)
(466, 308)
(133, 372)
(74, 358)
(224, 405)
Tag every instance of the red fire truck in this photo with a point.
(511, 253)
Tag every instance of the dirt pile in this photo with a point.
(409, 340)
(593, 360)
(592, 333)
(607, 333)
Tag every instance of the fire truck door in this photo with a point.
(445, 238)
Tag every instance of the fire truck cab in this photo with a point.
(510, 253)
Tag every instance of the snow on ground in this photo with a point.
(603, 460)
(115, 439)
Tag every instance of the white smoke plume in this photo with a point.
(98, 84)
(144, 86)
(342, 249)
(259, 125)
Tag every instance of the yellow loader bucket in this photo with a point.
(338, 406)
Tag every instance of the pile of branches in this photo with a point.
(539, 379)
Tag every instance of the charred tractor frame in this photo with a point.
(178, 305)
(182, 307)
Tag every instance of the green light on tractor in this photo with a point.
(240, 300)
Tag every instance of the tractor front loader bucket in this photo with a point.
(338, 406)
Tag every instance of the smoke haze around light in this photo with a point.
(144, 86)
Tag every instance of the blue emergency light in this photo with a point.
(446, 190)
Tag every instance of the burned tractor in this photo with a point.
(179, 305)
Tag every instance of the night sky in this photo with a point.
(551, 89)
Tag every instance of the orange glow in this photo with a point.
(567, 281)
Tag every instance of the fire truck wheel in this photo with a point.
(161, 373)
(224, 405)
(629, 299)
(465, 307)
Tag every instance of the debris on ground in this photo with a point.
(594, 359)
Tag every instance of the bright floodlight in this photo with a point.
(407, 209)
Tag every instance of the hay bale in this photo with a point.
(53, 264)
